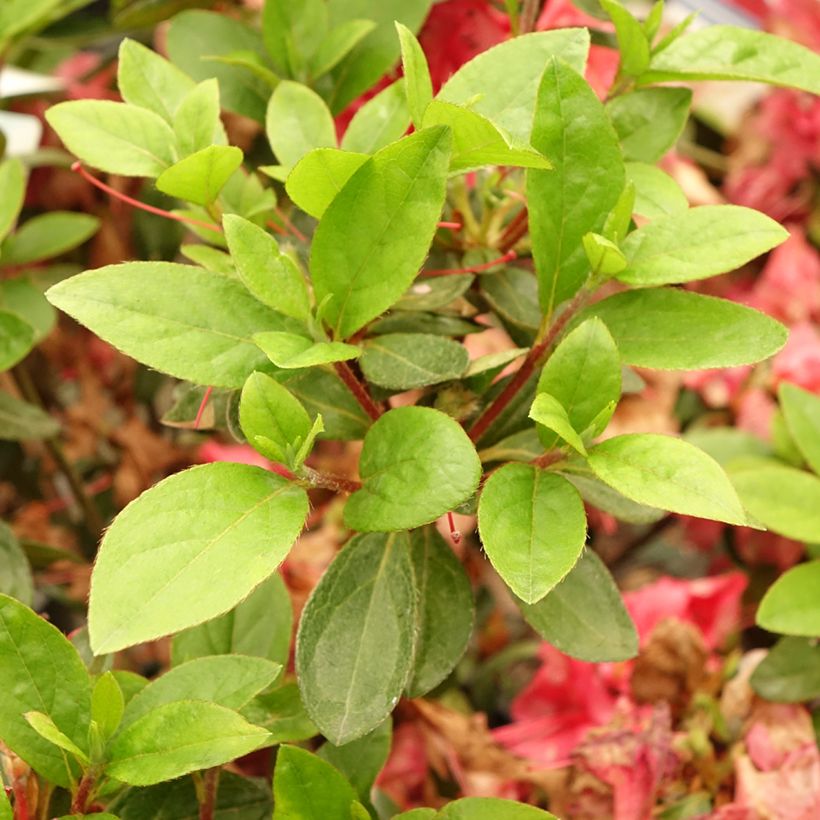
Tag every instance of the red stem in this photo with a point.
(81, 799)
(201, 410)
(282, 471)
(453, 226)
(508, 256)
(358, 390)
(20, 800)
(454, 533)
(515, 230)
(210, 786)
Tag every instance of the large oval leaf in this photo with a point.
(158, 560)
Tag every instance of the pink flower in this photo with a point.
(799, 361)
(755, 411)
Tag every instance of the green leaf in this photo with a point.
(401, 361)
(156, 561)
(790, 672)
(731, 53)
(114, 137)
(416, 464)
(297, 121)
(571, 129)
(147, 310)
(657, 195)
(319, 176)
(605, 257)
(673, 329)
(632, 41)
(259, 626)
(23, 298)
(271, 276)
(802, 413)
(444, 611)
(491, 808)
(107, 704)
(16, 339)
(783, 499)
(501, 83)
(15, 571)
(513, 295)
(417, 82)
(245, 196)
(147, 80)
(177, 738)
(533, 528)
(305, 787)
(619, 218)
(292, 351)
(667, 473)
(791, 605)
(584, 616)
(48, 235)
(649, 121)
(374, 236)
(292, 32)
(13, 186)
(355, 643)
(201, 176)
(697, 244)
(522, 446)
(20, 420)
(379, 122)
(548, 412)
(436, 292)
(605, 498)
(45, 727)
(31, 653)
(196, 123)
(282, 713)
(476, 141)
(337, 44)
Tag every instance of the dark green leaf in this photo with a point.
(790, 673)
(20, 420)
(402, 361)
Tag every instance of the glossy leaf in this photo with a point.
(802, 413)
(297, 121)
(790, 672)
(319, 176)
(791, 605)
(417, 82)
(402, 361)
(292, 351)
(380, 121)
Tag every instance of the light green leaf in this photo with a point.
(48, 235)
(319, 176)
(656, 194)
(697, 244)
(790, 673)
(337, 44)
(201, 176)
(355, 643)
(293, 32)
(604, 257)
(379, 122)
(673, 329)
(533, 528)
(374, 236)
(196, 123)
(107, 704)
(547, 411)
(802, 413)
(271, 276)
(444, 611)
(13, 186)
(571, 129)
(292, 351)
(114, 137)
(649, 121)
(297, 121)
(45, 727)
(417, 82)
(211, 259)
(584, 616)
(491, 808)
(501, 83)
(605, 498)
(5, 806)
(402, 361)
(416, 464)
(146, 309)
(667, 473)
(305, 787)
(153, 570)
(146, 79)
(619, 218)
(632, 41)
(791, 605)
(15, 571)
(731, 53)
(177, 738)
(476, 141)
(16, 339)
(40, 671)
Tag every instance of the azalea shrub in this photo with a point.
(412, 295)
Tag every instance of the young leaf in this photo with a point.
(45, 727)
(549, 413)
(416, 464)
(337, 44)
(790, 673)
(271, 276)
(156, 561)
(177, 738)
(20, 420)
(13, 186)
(604, 256)
(15, 575)
(374, 236)
(491, 808)
(196, 122)
(584, 616)
(114, 137)
(632, 41)
(444, 611)
(48, 235)
(657, 195)
(791, 605)
(31, 653)
(297, 121)
(731, 53)
(802, 412)
(292, 351)
(319, 176)
(293, 32)
(107, 704)
(697, 244)
(674, 329)
(201, 176)
(379, 122)
(668, 473)
(572, 130)
(501, 83)
(417, 82)
(355, 643)
(402, 361)
(146, 309)
(309, 788)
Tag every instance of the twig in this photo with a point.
(84, 790)
(358, 390)
(210, 787)
(330, 482)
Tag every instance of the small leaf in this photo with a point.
(201, 176)
(355, 643)
(417, 82)
(177, 738)
(604, 257)
(44, 726)
(791, 605)
(416, 464)
(48, 235)
(379, 122)
(533, 528)
(20, 420)
(790, 672)
(584, 616)
(292, 351)
(632, 41)
(802, 412)
(154, 570)
(297, 121)
(319, 176)
(668, 473)
(402, 361)
(547, 411)
(107, 704)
